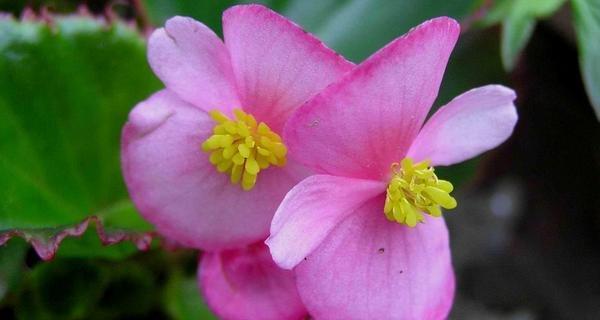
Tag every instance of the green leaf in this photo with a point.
(207, 11)
(587, 25)
(518, 22)
(131, 290)
(65, 92)
(62, 289)
(357, 29)
(12, 258)
(354, 28)
(516, 31)
(183, 301)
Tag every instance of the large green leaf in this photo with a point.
(65, 91)
(587, 25)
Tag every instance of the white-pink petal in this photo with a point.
(371, 268)
(311, 210)
(472, 123)
(194, 63)
(175, 187)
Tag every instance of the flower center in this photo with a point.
(242, 148)
(415, 189)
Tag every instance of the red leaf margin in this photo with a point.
(46, 245)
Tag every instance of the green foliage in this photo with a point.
(518, 18)
(65, 93)
(587, 25)
(12, 257)
(182, 299)
(154, 284)
(207, 11)
(66, 289)
(353, 28)
(357, 29)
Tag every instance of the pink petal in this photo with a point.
(246, 284)
(194, 63)
(278, 66)
(175, 187)
(474, 122)
(360, 125)
(311, 210)
(371, 268)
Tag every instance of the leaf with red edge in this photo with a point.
(66, 87)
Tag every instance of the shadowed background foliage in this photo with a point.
(524, 236)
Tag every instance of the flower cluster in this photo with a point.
(271, 137)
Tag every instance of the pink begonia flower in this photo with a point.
(247, 284)
(364, 235)
(202, 158)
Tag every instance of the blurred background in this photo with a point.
(526, 234)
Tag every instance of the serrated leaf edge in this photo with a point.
(46, 247)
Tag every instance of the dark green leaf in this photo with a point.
(131, 290)
(587, 25)
(207, 11)
(65, 289)
(12, 258)
(357, 29)
(518, 19)
(354, 28)
(183, 301)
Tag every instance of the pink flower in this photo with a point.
(247, 284)
(352, 232)
(175, 143)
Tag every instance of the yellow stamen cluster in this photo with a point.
(241, 147)
(415, 189)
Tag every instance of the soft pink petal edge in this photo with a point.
(246, 284)
(472, 123)
(311, 210)
(176, 188)
(193, 62)
(361, 124)
(371, 268)
(277, 65)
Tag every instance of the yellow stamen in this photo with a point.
(242, 148)
(415, 189)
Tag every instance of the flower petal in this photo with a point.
(363, 123)
(174, 186)
(246, 284)
(194, 63)
(371, 268)
(311, 210)
(474, 122)
(278, 66)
